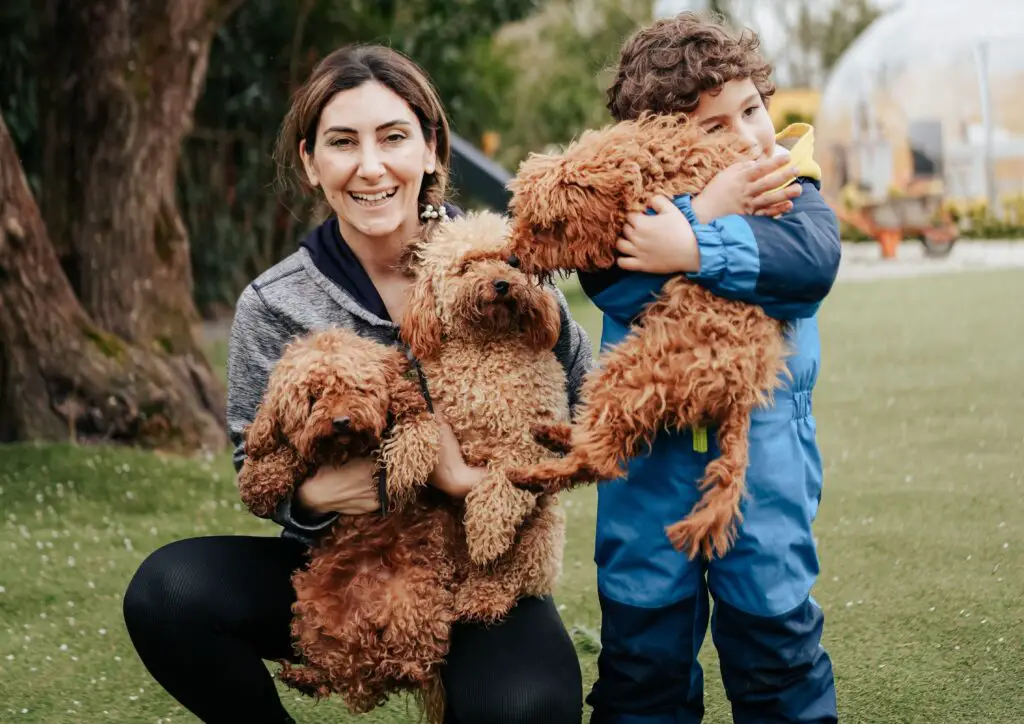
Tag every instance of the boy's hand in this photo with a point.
(746, 188)
(660, 244)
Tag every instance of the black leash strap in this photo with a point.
(422, 378)
(382, 476)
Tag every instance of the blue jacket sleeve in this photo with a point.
(786, 265)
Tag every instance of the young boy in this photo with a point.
(760, 232)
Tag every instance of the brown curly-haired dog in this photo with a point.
(693, 358)
(484, 334)
(375, 603)
(327, 399)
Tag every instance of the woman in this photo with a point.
(367, 131)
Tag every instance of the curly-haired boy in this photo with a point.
(760, 232)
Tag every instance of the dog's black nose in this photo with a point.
(341, 424)
(501, 287)
(513, 261)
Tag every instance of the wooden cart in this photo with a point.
(894, 219)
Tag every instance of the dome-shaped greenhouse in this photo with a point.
(931, 95)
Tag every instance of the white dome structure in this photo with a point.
(932, 92)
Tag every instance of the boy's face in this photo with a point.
(737, 108)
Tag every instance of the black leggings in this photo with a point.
(203, 613)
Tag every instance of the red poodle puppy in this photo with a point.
(693, 359)
(484, 333)
(375, 603)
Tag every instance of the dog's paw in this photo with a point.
(551, 477)
(493, 513)
(528, 481)
(556, 437)
(483, 601)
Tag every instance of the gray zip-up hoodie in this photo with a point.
(293, 298)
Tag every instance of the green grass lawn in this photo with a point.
(921, 414)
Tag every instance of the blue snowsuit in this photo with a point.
(655, 608)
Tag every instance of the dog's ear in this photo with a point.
(405, 395)
(632, 180)
(263, 436)
(294, 405)
(421, 326)
(545, 324)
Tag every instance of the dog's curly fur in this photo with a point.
(484, 333)
(693, 358)
(375, 603)
(327, 399)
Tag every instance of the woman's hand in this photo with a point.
(349, 489)
(451, 474)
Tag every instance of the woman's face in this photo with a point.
(369, 159)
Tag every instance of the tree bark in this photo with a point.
(123, 77)
(61, 376)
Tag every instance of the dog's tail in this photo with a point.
(711, 527)
(431, 700)
(305, 679)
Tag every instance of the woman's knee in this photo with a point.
(162, 589)
(556, 699)
(551, 705)
(532, 707)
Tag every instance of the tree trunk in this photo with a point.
(123, 77)
(63, 377)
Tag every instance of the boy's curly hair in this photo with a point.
(664, 68)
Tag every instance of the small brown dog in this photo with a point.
(693, 358)
(328, 399)
(375, 604)
(484, 334)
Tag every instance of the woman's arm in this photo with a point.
(573, 350)
(257, 340)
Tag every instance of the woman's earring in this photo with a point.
(429, 212)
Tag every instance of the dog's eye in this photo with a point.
(513, 261)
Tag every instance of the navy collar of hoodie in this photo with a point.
(334, 258)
